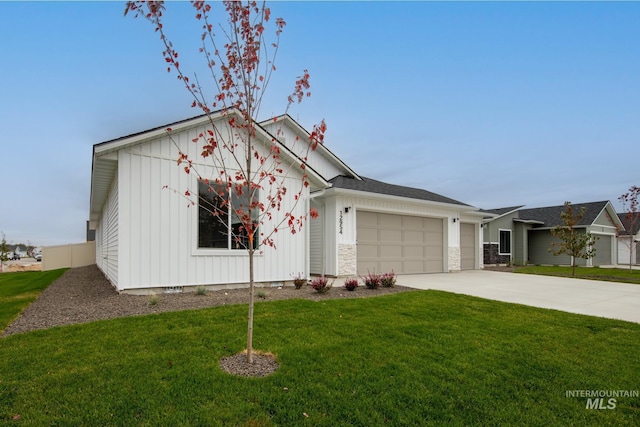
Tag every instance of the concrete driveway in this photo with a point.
(591, 297)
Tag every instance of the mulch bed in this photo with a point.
(84, 295)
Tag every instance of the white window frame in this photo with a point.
(500, 230)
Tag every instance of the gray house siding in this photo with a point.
(520, 243)
(539, 245)
(491, 240)
(603, 247)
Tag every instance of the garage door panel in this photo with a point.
(387, 266)
(388, 220)
(367, 251)
(413, 267)
(414, 252)
(365, 267)
(467, 246)
(432, 225)
(367, 234)
(413, 237)
(367, 219)
(401, 243)
(433, 266)
(391, 236)
(413, 222)
(603, 251)
(387, 251)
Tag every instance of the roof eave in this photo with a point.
(359, 193)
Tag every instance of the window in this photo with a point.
(216, 228)
(505, 242)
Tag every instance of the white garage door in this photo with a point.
(400, 243)
(467, 246)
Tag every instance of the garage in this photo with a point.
(467, 246)
(401, 243)
(603, 250)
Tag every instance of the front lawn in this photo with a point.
(18, 290)
(594, 273)
(416, 358)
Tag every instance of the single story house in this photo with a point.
(151, 239)
(629, 240)
(523, 236)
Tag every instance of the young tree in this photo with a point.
(4, 251)
(572, 242)
(246, 183)
(631, 207)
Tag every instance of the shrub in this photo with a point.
(372, 280)
(299, 280)
(351, 284)
(320, 285)
(154, 299)
(201, 290)
(388, 280)
(262, 294)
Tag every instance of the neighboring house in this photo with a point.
(629, 240)
(523, 236)
(149, 238)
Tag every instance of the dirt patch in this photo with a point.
(12, 268)
(83, 295)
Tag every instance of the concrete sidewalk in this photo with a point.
(591, 297)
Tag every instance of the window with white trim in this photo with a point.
(218, 228)
(504, 246)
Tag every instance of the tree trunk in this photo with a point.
(251, 292)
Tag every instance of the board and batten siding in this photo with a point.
(315, 160)
(158, 227)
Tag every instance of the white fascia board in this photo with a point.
(496, 216)
(118, 144)
(323, 149)
(355, 193)
(614, 216)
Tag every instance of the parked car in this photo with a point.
(15, 256)
(38, 256)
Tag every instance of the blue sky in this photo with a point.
(493, 104)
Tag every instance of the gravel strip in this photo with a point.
(84, 295)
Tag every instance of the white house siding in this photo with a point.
(107, 237)
(315, 160)
(623, 251)
(158, 228)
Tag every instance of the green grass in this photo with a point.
(594, 273)
(416, 358)
(18, 290)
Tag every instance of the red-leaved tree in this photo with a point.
(247, 182)
(631, 207)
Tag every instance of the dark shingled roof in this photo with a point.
(627, 223)
(372, 186)
(501, 211)
(550, 216)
